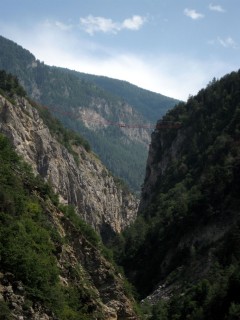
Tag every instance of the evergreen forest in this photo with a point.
(186, 240)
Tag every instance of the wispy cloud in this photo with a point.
(217, 8)
(63, 26)
(92, 24)
(227, 42)
(57, 25)
(193, 14)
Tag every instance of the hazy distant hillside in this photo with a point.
(149, 104)
(93, 106)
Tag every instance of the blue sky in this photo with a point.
(174, 47)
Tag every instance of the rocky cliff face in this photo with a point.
(97, 114)
(85, 183)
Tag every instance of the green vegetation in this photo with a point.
(81, 226)
(189, 234)
(26, 245)
(5, 313)
(124, 162)
(209, 299)
(29, 243)
(10, 85)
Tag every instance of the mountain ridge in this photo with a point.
(123, 151)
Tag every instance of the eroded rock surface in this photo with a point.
(85, 183)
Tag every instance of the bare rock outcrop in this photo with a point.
(85, 184)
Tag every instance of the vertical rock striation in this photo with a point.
(85, 184)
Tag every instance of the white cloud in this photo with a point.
(227, 42)
(133, 23)
(217, 8)
(93, 24)
(193, 14)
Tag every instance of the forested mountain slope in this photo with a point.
(183, 250)
(149, 104)
(94, 106)
(53, 266)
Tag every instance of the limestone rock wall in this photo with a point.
(87, 184)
